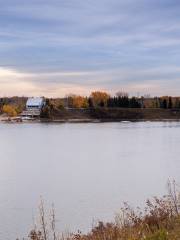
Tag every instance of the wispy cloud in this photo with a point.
(149, 80)
(78, 45)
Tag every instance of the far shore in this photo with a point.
(100, 115)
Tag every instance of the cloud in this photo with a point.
(59, 84)
(82, 45)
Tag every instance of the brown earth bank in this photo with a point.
(112, 114)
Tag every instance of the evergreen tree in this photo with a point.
(170, 103)
(164, 103)
(90, 103)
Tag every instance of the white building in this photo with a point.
(35, 103)
(34, 106)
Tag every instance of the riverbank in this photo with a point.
(113, 114)
(94, 115)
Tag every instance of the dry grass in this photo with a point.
(160, 220)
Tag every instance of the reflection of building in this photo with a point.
(33, 107)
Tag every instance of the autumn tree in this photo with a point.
(177, 103)
(99, 98)
(70, 100)
(9, 110)
(77, 101)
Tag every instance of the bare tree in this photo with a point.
(53, 222)
(122, 94)
(43, 220)
(173, 195)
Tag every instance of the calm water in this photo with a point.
(86, 170)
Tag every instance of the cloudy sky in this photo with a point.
(57, 47)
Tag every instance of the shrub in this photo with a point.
(160, 235)
(9, 110)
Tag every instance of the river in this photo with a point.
(86, 169)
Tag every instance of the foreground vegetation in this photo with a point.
(160, 220)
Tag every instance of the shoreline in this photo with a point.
(99, 115)
(13, 121)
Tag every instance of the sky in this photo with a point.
(56, 47)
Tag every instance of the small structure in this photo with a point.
(35, 103)
(34, 106)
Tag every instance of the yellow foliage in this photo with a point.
(79, 102)
(99, 98)
(9, 110)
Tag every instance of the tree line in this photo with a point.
(102, 99)
(98, 99)
(121, 100)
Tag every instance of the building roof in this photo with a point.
(35, 101)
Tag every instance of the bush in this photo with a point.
(46, 112)
(9, 110)
(160, 235)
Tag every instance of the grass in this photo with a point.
(159, 220)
